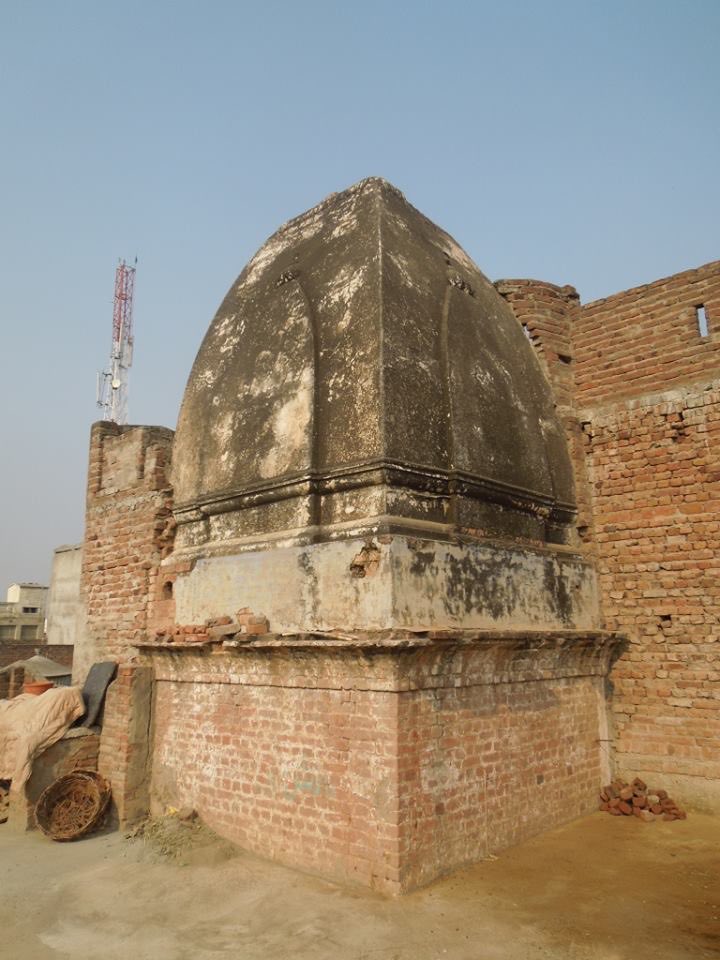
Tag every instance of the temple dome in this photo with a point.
(362, 370)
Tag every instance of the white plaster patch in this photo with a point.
(229, 344)
(223, 429)
(344, 225)
(224, 325)
(402, 265)
(290, 427)
(483, 376)
(457, 253)
(278, 370)
(345, 286)
(287, 236)
(439, 777)
(208, 377)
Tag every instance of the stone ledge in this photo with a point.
(389, 661)
(385, 639)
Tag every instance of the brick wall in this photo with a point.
(379, 767)
(485, 767)
(128, 530)
(649, 404)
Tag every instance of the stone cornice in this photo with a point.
(378, 472)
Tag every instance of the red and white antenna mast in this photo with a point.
(112, 388)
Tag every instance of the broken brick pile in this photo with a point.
(625, 799)
(244, 628)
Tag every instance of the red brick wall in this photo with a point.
(128, 530)
(650, 410)
(382, 768)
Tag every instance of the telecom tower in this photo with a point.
(112, 385)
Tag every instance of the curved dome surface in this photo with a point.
(362, 368)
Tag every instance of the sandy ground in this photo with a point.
(602, 888)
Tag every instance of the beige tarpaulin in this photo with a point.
(30, 724)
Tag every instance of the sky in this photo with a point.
(563, 140)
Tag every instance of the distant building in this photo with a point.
(22, 616)
(63, 605)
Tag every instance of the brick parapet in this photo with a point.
(647, 338)
(129, 529)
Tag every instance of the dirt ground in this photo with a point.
(602, 888)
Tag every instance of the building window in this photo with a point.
(7, 632)
(30, 609)
(702, 320)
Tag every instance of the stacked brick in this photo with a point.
(226, 630)
(625, 799)
(11, 683)
(486, 767)
(284, 753)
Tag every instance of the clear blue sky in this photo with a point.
(570, 141)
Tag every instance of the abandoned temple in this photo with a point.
(427, 559)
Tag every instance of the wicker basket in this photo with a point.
(73, 805)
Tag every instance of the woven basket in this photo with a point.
(73, 805)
